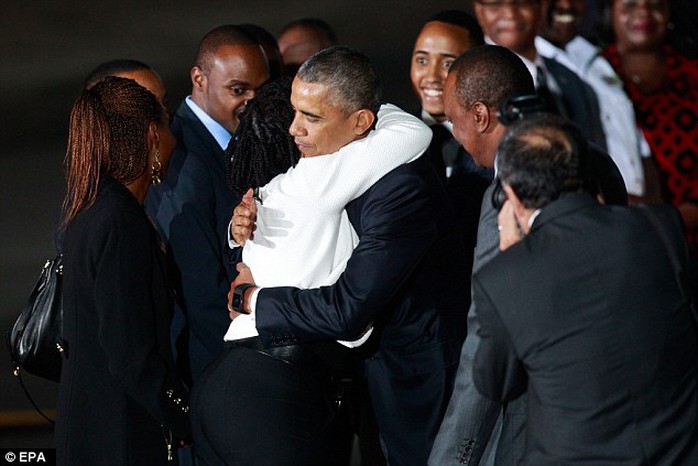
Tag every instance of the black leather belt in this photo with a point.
(295, 355)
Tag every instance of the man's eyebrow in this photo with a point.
(312, 115)
(445, 55)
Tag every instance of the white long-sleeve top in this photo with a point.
(303, 236)
(626, 144)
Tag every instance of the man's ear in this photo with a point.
(482, 116)
(363, 121)
(197, 77)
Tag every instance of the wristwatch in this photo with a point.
(238, 297)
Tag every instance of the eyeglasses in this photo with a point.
(498, 4)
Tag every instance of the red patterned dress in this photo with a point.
(668, 116)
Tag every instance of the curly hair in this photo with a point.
(490, 74)
(107, 137)
(262, 147)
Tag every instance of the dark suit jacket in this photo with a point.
(192, 208)
(406, 276)
(579, 102)
(466, 433)
(587, 315)
(117, 309)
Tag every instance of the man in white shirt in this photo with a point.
(561, 42)
(514, 25)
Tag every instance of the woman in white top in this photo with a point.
(303, 238)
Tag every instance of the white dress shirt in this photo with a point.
(625, 142)
(219, 133)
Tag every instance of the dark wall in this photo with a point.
(48, 46)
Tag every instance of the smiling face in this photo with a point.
(512, 25)
(233, 76)
(562, 21)
(640, 24)
(437, 46)
(319, 127)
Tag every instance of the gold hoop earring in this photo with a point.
(155, 169)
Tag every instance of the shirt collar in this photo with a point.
(430, 120)
(219, 133)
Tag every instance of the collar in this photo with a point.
(531, 65)
(430, 121)
(219, 133)
(563, 206)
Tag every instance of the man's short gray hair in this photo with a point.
(349, 75)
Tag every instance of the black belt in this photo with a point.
(295, 355)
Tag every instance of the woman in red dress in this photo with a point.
(663, 86)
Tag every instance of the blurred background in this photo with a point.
(47, 47)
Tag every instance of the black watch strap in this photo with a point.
(238, 295)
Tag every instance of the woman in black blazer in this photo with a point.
(120, 400)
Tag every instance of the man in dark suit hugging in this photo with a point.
(406, 275)
(588, 309)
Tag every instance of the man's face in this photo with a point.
(299, 43)
(235, 73)
(318, 126)
(562, 21)
(437, 46)
(481, 146)
(463, 128)
(511, 23)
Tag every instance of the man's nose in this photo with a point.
(295, 128)
(434, 71)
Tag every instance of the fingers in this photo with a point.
(249, 202)
(509, 231)
(243, 221)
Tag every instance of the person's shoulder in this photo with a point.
(413, 175)
(115, 211)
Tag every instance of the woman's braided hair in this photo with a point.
(262, 147)
(107, 137)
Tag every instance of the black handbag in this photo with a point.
(35, 341)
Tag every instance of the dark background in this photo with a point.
(47, 47)
(46, 50)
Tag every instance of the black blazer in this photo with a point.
(579, 101)
(587, 315)
(192, 208)
(407, 276)
(113, 396)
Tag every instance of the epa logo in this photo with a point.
(25, 457)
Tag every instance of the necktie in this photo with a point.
(544, 91)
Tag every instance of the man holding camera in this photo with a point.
(479, 87)
(586, 311)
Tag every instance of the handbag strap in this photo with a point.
(18, 374)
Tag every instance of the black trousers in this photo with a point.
(251, 409)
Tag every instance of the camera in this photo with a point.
(499, 197)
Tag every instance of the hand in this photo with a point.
(185, 443)
(509, 230)
(244, 276)
(689, 214)
(242, 225)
